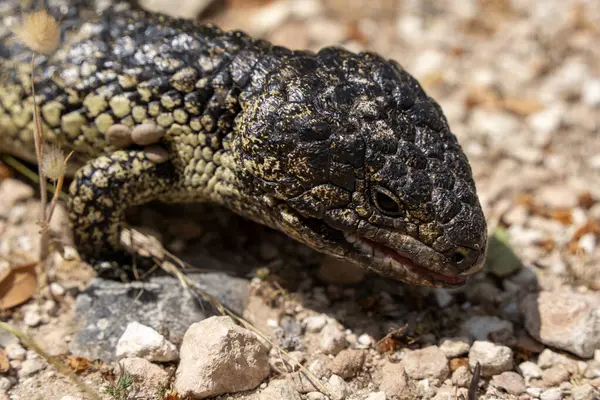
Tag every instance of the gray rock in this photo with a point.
(480, 327)
(279, 389)
(107, 306)
(584, 392)
(218, 356)
(394, 380)
(333, 339)
(551, 394)
(509, 381)
(568, 321)
(455, 347)
(428, 363)
(494, 359)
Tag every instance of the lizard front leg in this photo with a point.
(104, 188)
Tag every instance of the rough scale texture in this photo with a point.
(344, 152)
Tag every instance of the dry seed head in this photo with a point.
(39, 31)
(53, 163)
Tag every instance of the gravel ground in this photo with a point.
(519, 81)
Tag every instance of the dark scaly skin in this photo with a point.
(343, 152)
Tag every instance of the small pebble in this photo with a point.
(494, 359)
(119, 136)
(315, 323)
(510, 381)
(376, 396)
(583, 392)
(30, 367)
(32, 317)
(5, 383)
(146, 134)
(316, 396)
(551, 394)
(15, 351)
(455, 347)
(530, 370)
(57, 289)
(338, 387)
(156, 154)
(142, 341)
(333, 340)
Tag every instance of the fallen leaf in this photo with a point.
(455, 363)
(501, 259)
(522, 107)
(4, 364)
(392, 341)
(78, 364)
(17, 285)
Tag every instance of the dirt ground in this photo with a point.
(519, 81)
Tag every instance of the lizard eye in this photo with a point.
(385, 201)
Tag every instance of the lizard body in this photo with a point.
(343, 152)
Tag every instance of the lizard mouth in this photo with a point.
(401, 264)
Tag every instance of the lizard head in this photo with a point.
(353, 158)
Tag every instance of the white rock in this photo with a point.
(271, 15)
(591, 93)
(142, 341)
(429, 62)
(568, 321)
(57, 289)
(530, 370)
(218, 356)
(551, 394)
(333, 339)
(30, 367)
(338, 387)
(365, 339)
(409, 27)
(455, 347)
(15, 351)
(315, 323)
(494, 359)
(32, 316)
(376, 396)
(71, 397)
